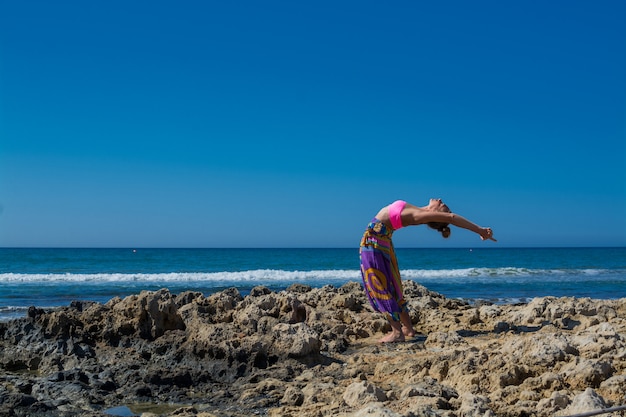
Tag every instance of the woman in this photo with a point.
(379, 267)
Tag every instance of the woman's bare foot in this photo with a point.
(408, 332)
(407, 325)
(393, 337)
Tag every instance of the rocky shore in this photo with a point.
(312, 352)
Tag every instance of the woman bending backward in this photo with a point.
(379, 267)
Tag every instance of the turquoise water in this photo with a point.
(54, 277)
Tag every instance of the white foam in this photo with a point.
(259, 275)
(278, 276)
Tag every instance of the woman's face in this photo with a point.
(436, 204)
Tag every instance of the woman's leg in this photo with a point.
(407, 325)
(396, 334)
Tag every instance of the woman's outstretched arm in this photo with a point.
(485, 233)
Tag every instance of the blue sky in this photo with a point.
(289, 124)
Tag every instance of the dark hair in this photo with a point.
(441, 228)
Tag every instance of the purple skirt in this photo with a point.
(380, 273)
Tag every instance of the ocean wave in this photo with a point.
(277, 276)
(12, 312)
(259, 275)
(505, 272)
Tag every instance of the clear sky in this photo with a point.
(290, 123)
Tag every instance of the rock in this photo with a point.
(588, 400)
(259, 291)
(299, 288)
(489, 312)
(585, 373)
(312, 352)
(360, 393)
(444, 340)
(374, 410)
(475, 406)
(147, 315)
(542, 349)
(614, 388)
(295, 340)
(293, 397)
(557, 401)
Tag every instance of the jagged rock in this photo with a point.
(313, 352)
(475, 406)
(588, 400)
(360, 393)
(374, 410)
(293, 396)
(295, 340)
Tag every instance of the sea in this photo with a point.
(52, 277)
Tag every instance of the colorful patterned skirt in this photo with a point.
(380, 273)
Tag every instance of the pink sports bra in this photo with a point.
(395, 213)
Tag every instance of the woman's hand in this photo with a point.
(487, 233)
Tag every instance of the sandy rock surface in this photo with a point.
(312, 352)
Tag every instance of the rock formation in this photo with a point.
(312, 352)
